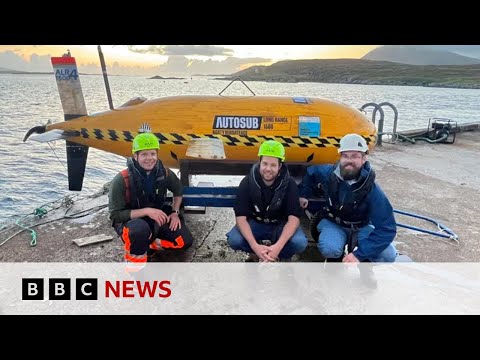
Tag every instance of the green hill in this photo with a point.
(368, 72)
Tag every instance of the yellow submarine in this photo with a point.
(309, 128)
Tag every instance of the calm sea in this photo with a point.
(31, 175)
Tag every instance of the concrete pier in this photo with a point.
(440, 181)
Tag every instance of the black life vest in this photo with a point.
(135, 195)
(344, 212)
(272, 212)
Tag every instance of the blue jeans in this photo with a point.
(333, 239)
(295, 245)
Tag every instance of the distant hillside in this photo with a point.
(158, 77)
(8, 71)
(357, 71)
(418, 55)
(465, 50)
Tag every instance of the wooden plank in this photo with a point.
(92, 239)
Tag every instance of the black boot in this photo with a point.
(335, 260)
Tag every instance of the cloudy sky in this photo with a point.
(149, 60)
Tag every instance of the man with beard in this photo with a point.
(267, 210)
(137, 204)
(356, 207)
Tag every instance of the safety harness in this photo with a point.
(262, 212)
(344, 212)
(135, 195)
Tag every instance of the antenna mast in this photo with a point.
(105, 77)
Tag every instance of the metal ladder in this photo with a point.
(378, 108)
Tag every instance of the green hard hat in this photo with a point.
(272, 148)
(145, 141)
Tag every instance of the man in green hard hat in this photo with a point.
(138, 208)
(267, 210)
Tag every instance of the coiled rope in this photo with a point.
(42, 211)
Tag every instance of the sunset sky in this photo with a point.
(170, 59)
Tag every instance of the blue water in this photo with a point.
(31, 175)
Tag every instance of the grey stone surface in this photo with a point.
(436, 180)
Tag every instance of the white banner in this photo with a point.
(240, 288)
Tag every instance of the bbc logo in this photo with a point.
(60, 289)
